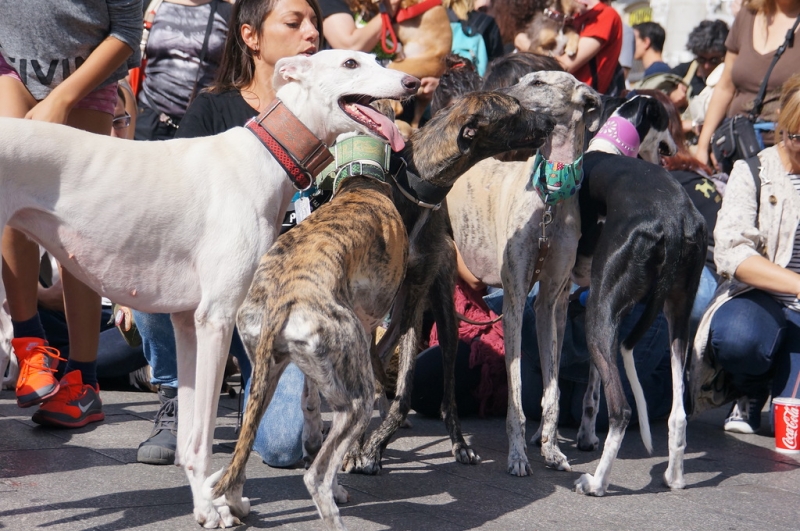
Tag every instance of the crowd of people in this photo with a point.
(208, 67)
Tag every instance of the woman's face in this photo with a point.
(791, 143)
(290, 29)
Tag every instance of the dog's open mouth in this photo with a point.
(358, 108)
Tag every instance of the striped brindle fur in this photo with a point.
(322, 289)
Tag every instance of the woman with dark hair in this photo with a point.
(707, 43)
(261, 32)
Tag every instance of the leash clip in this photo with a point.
(547, 219)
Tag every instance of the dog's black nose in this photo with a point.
(410, 83)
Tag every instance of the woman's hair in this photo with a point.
(237, 67)
(683, 160)
(708, 36)
(767, 7)
(508, 69)
(789, 114)
(458, 78)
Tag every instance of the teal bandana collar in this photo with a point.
(556, 181)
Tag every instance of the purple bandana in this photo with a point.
(622, 134)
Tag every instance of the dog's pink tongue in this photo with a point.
(386, 127)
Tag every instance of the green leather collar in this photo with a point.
(356, 155)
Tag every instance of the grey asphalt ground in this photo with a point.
(88, 479)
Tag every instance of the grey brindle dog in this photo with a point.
(496, 217)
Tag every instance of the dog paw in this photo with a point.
(406, 424)
(340, 494)
(674, 480)
(588, 442)
(554, 458)
(588, 485)
(465, 454)
(519, 467)
(361, 464)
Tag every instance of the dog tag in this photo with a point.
(302, 208)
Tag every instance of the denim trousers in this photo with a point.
(278, 440)
(757, 341)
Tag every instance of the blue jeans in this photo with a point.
(757, 341)
(279, 435)
(705, 292)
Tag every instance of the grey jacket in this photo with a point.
(47, 40)
(738, 236)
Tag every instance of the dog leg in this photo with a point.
(444, 312)
(601, 339)
(513, 306)
(366, 458)
(349, 389)
(213, 336)
(551, 315)
(677, 309)
(7, 359)
(312, 425)
(587, 437)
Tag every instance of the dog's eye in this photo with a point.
(537, 83)
(351, 64)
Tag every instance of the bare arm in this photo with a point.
(341, 32)
(466, 275)
(100, 64)
(760, 273)
(587, 48)
(717, 108)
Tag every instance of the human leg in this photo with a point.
(36, 382)
(746, 336)
(158, 344)
(279, 437)
(426, 394)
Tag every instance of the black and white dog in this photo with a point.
(642, 241)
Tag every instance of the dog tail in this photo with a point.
(638, 394)
(263, 364)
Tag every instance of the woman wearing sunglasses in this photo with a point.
(748, 342)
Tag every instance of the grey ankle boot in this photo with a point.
(159, 448)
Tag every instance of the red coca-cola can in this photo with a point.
(787, 425)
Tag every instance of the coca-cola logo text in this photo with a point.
(791, 415)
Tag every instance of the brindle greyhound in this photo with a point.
(497, 223)
(324, 286)
(431, 273)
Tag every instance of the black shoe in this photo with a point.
(159, 448)
(745, 417)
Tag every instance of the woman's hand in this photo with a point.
(123, 318)
(52, 109)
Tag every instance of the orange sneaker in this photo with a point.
(37, 366)
(74, 406)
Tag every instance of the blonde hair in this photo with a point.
(789, 115)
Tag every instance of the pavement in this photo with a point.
(88, 479)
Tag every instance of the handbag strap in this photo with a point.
(788, 42)
(204, 49)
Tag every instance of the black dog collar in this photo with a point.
(418, 191)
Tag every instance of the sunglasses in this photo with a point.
(794, 140)
(121, 122)
(713, 61)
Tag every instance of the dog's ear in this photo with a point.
(467, 135)
(290, 69)
(592, 105)
(657, 114)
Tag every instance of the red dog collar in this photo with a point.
(301, 154)
(415, 10)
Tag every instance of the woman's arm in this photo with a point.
(717, 108)
(587, 48)
(341, 32)
(760, 273)
(101, 63)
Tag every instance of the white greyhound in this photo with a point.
(179, 226)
